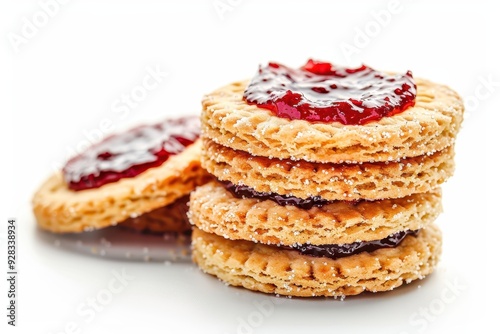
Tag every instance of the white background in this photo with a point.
(61, 83)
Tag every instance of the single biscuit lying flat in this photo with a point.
(59, 209)
(330, 181)
(430, 126)
(215, 210)
(270, 269)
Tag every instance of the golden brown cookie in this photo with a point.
(330, 181)
(270, 269)
(170, 218)
(59, 209)
(213, 209)
(430, 126)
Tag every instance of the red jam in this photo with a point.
(343, 250)
(243, 191)
(322, 92)
(130, 153)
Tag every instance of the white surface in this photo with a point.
(65, 80)
(120, 244)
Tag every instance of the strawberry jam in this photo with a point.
(243, 191)
(322, 92)
(130, 153)
(343, 250)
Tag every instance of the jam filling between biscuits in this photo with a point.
(323, 92)
(333, 251)
(343, 250)
(130, 153)
(243, 191)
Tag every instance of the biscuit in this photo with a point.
(330, 181)
(170, 218)
(59, 209)
(430, 126)
(270, 269)
(213, 209)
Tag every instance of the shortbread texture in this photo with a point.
(216, 210)
(330, 181)
(269, 269)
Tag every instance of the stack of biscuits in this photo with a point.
(322, 209)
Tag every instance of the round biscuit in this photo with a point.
(61, 210)
(213, 209)
(330, 181)
(430, 126)
(269, 269)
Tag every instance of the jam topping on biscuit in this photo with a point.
(332, 251)
(322, 92)
(130, 153)
(343, 250)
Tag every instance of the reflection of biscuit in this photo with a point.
(430, 126)
(215, 210)
(329, 181)
(170, 218)
(273, 270)
(59, 209)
